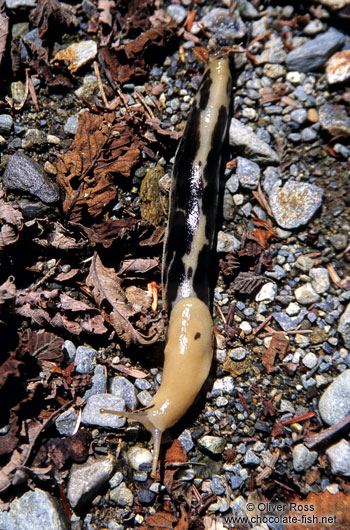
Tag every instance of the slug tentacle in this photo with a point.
(186, 259)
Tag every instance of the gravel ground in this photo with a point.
(252, 429)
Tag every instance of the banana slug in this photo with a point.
(187, 256)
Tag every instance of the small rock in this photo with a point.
(122, 496)
(320, 280)
(20, 4)
(85, 480)
(248, 173)
(186, 440)
(313, 27)
(99, 382)
(238, 354)
(140, 459)
(339, 457)
(77, 55)
(71, 125)
(274, 51)
(295, 203)
(310, 360)
(299, 116)
(69, 350)
(251, 459)
(306, 295)
(146, 497)
(227, 242)
(92, 411)
(334, 120)
(292, 309)
(334, 403)
(219, 23)
(178, 13)
(213, 444)
(267, 293)
(304, 263)
(85, 360)
(37, 510)
(226, 385)
(23, 173)
(66, 422)
(344, 326)
(217, 485)
(338, 67)
(124, 389)
(6, 123)
(33, 138)
(313, 54)
(274, 71)
(249, 145)
(303, 458)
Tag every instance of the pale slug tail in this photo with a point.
(141, 416)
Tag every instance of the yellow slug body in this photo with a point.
(187, 260)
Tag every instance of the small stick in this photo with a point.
(316, 439)
(100, 84)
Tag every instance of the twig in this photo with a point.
(316, 439)
(262, 325)
(100, 84)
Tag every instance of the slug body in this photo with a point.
(187, 255)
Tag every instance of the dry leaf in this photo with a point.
(106, 289)
(102, 149)
(247, 282)
(278, 346)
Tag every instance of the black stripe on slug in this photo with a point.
(205, 92)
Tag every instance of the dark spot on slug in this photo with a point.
(205, 93)
(201, 274)
(197, 336)
(189, 272)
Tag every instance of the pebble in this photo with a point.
(267, 293)
(299, 116)
(238, 354)
(87, 479)
(222, 25)
(274, 52)
(23, 173)
(227, 242)
(66, 422)
(146, 497)
(338, 67)
(139, 458)
(92, 415)
(186, 440)
(306, 295)
(71, 125)
(303, 458)
(85, 360)
(334, 403)
(213, 444)
(248, 173)
(248, 144)
(122, 496)
(35, 509)
(313, 54)
(69, 350)
(6, 123)
(77, 54)
(334, 120)
(344, 326)
(33, 138)
(320, 280)
(20, 4)
(251, 459)
(124, 389)
(310, 360)
(294, 203)
(288, 323)
(99, 382)
(339, 458)
(304, 263)
(178, 13)
(226, 385)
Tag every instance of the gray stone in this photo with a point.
(217, 485)
(310, 360)
(85, 480)
(251, 459)
(85, 360)
(248, 173)
(20, 4)
(287, 406)
(313, 54)
(71, 125)
(299, 115)
(23, 173)
(238, 354)
(295, 203)
(308, 134)
(121, 387)
(66, 422)
(226, 385)
(344, 326)
(139, 458)
(334, 120)
(69, 350)
(306, 295)
(303, 458)
(304, 263)
(92, 411)
(37, 510)
(267, 293)
(274, 51)
(339, 458)
(320, 279)
(186, 440)
(99, 382)
(6, 123)
(289, 323)
(232, 184)
(221, 24)
(248, 144)
(227, 242)
(178, 13)
(122, 496)
(213, 444)
(334, 403)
